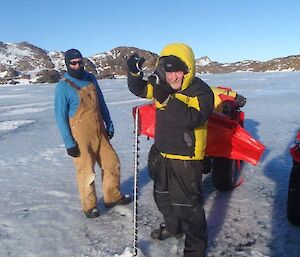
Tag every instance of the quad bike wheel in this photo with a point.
(226, 173)
(207, 165)
(293, 204)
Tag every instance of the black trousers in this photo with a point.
(178, 195)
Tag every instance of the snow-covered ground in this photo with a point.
(40, 212)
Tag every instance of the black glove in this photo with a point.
(241, 101)
(110, 135)
(159, 90)
(135, 63)
(160, 71)
(74, 151)
(110, 131)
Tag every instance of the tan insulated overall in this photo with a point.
(88, 130)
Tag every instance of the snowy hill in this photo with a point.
(25, 63)
(41, 214)
(203, 61)
(289, 63)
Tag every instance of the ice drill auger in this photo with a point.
(135, 181)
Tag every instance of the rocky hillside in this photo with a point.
(289, 63)
(26, 63)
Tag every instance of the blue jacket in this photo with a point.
(67, 101)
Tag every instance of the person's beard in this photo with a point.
(77, 74)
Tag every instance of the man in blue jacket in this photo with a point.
(85, 125)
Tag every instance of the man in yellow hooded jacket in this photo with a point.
(183, 105)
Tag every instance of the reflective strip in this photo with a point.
(182, 204)
(161, 192)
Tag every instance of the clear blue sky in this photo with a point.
(223, 30)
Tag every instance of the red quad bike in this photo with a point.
(228, 143)
(226, 170)
(293, 204)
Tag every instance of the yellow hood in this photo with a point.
(185, 53)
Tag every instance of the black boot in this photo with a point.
(162, 233)
(126, 199)
(92, 213)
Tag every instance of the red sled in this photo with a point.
(228, 144)
(295, 152)
(293, 202)
(228, 139)
(225, 137)
(295, 149)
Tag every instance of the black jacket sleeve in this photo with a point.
(137, 85)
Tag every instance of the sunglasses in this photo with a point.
(80, 63)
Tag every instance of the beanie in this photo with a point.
(173, 63)
(72, 54)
